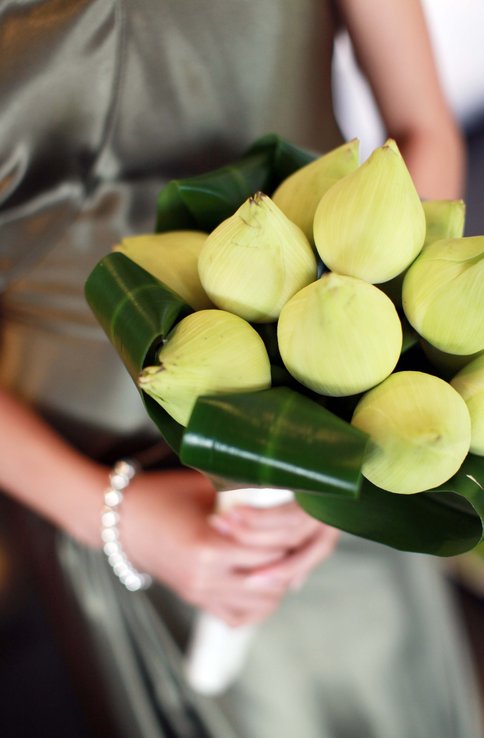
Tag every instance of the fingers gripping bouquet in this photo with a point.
(309, 324)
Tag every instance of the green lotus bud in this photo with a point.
(469, 383)
(444, 219)
(171, 257)
(420, 432)
(254, 261)
(443, 295)
(371, 223)
(299, 194)
(208, 352)
(447, 365)
(339, 335)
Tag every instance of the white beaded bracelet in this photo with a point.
(121, 475)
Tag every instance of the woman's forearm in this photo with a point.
(40, 470)
(394, 50)
(437, 161)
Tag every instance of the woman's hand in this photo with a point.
(239, 572)
(306, 541)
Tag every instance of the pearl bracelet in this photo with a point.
(121, 475)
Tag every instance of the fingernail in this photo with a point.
(258, 581)
(220, 524)
(233, 514)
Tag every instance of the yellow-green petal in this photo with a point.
(171, 257)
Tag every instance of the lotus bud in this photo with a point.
(444, 219)
(254, 261)
(371, 223)
(469, 383)
(443, 295)
(420, 432)
(299, 194)
(339, 335)
(171, 257)
(208, 352)
(446, 365)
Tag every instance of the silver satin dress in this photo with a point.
(102, 102)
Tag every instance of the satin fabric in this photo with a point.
(102, 102)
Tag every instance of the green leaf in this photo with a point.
(285, 158)
(136, 312)
(275, 438)
(202, 202)
(444, 522)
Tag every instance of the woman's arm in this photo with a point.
(393, 48)
(43, 472)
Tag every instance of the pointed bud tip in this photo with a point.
(390, 143)
(258, 198)
(146, 374)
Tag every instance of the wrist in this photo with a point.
(80, 515)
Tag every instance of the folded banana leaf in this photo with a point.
(202, 202)
(275, 438)
(136, 312)
(444, 522)
(278, 437)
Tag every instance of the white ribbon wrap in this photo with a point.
(217, 652)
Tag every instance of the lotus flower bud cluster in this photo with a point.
(318, 258)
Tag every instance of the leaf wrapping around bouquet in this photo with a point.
(274, 438)
(279, 437)
(444, 522)
(203, 201)
(136, 312)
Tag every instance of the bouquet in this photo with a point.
(309, 324)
